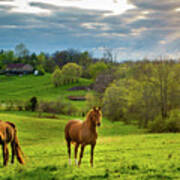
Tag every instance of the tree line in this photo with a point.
(143, 92)
(44, 61)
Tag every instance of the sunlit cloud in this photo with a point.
(162, 42)
(114, 7)
(23, 6)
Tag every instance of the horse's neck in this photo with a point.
(90, 126)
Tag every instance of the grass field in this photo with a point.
(122, 152)
(25, 87)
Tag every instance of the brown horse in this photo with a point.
(83, 133)
(8, 134)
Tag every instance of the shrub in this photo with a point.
(41, 70)
(57, 107)
(20, 105)
(27, 106)
(157, 125)
(172, 124)
(10, 105)
(31, 105)
(46, 107)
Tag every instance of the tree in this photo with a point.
(115, 102)
(71, 72)
(119, 99)
(21, 50)
(49, 65)
(103, 80)
(160, 89)
(57, 77)
(166, 76)
(110, 55)
(85, 59)
(33, 103)
(41, 59)
(61, 58)
(97, 68)
(7, 57)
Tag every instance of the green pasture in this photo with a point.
(122, 152)
(24, 87)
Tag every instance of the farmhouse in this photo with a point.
(19, 69)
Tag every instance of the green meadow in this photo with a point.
(23, 88)
(122, 151)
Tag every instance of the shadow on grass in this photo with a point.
(52, 172)
(40, 173)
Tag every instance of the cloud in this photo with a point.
(150, 29)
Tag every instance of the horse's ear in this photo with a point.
(99, 108)
(94, 108)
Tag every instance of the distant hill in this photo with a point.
(24, 87)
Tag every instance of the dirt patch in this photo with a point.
(80, 88)
(77, 98)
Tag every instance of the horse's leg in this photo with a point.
(81, 154)
(69, 151)
(5, 154)
(13, 151)
(75, 152)
(92, 153)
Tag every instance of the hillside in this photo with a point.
(24, 87)
(122, 152)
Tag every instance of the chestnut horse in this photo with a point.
(8, 134)
(83, 133)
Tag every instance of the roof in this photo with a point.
(17, 66)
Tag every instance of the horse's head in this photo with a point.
(96, 116)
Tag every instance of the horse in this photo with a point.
(83, 133)
(8, 134)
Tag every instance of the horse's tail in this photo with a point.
(18, 150)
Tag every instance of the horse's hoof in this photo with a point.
(70, 163)
(76, 162)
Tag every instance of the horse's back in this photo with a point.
(6, 130)
(72, 130)
(11, 124)
(3, 126)
(7, 124)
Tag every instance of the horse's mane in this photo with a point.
(89, 113)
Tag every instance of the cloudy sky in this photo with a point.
(132, 29)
